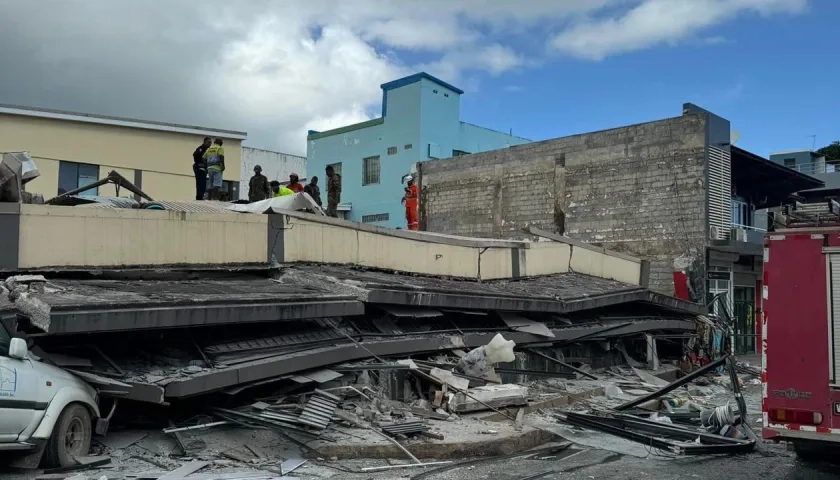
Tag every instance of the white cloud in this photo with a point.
(656, 22)
(278, 68)
(299, 83)
(419, 35)
(715, 40)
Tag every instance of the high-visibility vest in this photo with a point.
(282, 192)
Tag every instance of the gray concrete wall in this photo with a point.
(638, 189)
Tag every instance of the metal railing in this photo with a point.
(816, 168)
(749, 227)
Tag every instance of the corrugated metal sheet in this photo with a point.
(103, 202)
(195, 206)
(319, 410)
(406, 428)
(203, 206)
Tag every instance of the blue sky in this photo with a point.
(776, 78)
(544, 68)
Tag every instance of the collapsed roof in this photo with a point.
(147, 317)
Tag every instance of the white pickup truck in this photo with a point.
(47, 414)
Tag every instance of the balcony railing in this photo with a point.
(817, 168)
(751, 234)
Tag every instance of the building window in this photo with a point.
(392, 150)
(377, 217)
(75, 175)
(408, 146)
(742, 213)
(790, 163)
(336, 168)
(458, 153)
(370, 170)
(446, 95)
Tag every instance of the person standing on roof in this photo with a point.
(294, 183)
(200, 169)
(313, 190)
(410, 202)
(278, 190)
(258, 186)
(333, 191)
(215, 158)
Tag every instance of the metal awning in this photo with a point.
(767, 183)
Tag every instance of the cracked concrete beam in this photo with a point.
(35, 309)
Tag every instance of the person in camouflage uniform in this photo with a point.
(333, 192)
(258, 186)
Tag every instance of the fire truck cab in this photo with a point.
(801, 331)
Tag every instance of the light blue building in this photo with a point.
(420, 120)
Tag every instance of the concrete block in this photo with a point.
(496, 396)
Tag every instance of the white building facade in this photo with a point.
(275, 165)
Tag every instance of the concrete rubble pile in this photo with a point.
(423, 413)
(688, 416)
(331, 362)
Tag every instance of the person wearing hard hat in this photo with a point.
(410, 202)
(294, 183)
(258, 188)
(278, 190)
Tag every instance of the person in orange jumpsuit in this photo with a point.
(410, 202)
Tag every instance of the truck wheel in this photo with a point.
(70, 437)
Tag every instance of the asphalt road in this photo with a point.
(774, 463)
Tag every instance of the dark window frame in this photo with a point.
(368, 171)
(70, 174)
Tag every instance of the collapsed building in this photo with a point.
(204, 307)
(157, 306)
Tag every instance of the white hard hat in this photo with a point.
(409, 178)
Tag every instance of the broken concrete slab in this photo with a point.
(521, 324)
(555, 401)
(87, 306)
(183, 471)
(17, 280)
(560, 293)
(461, 439)
(448, 378)
(284, 364)
(650, 378)
(496, 396)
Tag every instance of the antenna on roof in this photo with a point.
(813, 141)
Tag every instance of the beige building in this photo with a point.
(75, 149)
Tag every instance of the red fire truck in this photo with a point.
(801, 330)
